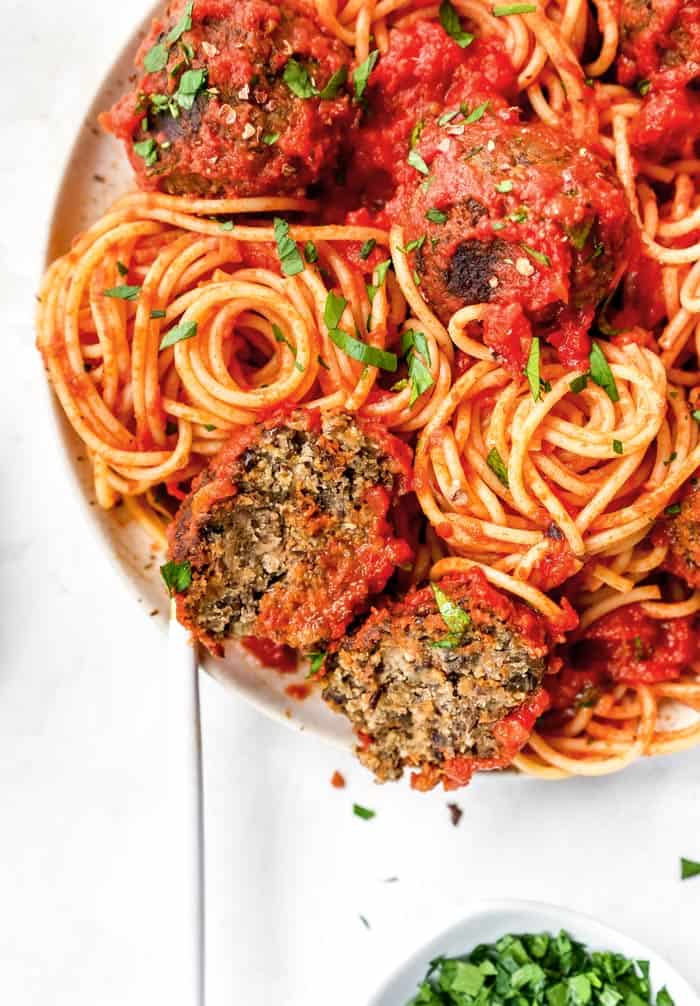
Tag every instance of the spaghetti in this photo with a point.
(172, 322)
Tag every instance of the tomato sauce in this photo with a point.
(281, 658)
(625, 647)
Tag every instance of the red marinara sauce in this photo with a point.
(281, 658)
(625, 647)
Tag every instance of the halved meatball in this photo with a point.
(235, 98)
(287, 532)
(656, 34)
(512, 214)
(681, 533)
(422, 695)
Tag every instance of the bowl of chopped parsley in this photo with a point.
(519, 953)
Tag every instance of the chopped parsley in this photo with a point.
(475, 114)
(360, 77)
(532, 369)
(158, 314)
(643, 87)
(414, 245)
(689, 868)
(537, 255)
(281, 337)
(367, 248)
(334, 84)
(448, 116)
(123, 292)
(317, 659)
(436, 216)
(449, 19)
(156, 59)
(371, 356)
(538, 969)
(177, 576)
(381, 270)
(417, 162)
(310, 252)
(601, 373)
(364, 812)
(122, 269)
(297, 79)
(514, 8)
(415, 133)
(696, 415)
(579, 233)
(148, 150)
(617, 446)
(415, 347)
(579, 383)
(183, 25)
(187, 330)
(333, 310)
(270, 138)
(191, 83)
(670, 458)
(506, 186)
(497, 466)
(673, 510)
(457, 620)
(290, 258)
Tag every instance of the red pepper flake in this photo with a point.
(338, 780)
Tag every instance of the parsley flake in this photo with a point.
(187, 330)
(449, 19)
(290, 258)
(497, 466)
(177, 576)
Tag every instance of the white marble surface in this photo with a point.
(290, 870)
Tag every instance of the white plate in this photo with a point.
(96, 174)
(490, 920)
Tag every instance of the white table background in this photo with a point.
(82, 829)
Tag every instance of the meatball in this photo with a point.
(235, 98)
(446, 700)
(681, 533)
(512, 215)
(287, 531)
(656, 34)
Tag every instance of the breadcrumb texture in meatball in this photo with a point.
(252, 100)
(287, 532)
(681, 533)
(420, 698)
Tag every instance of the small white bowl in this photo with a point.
(490, 920)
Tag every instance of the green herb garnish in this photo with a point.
(689, 868)
(436, 216)
(457, 620)
(506, 186)
(297, 79)
(538, 969)
(334, 84)
(310, 252)
(360, 77)
(317, 659)
(417, 162)
(187, 330)
(148, 150)
(532, 369)
(270, 138)
(673, 510)
(191, 83)
(497, 466)
(123, 292)
(177, 576)
(290, 258)
(617, 446)
(371, 356)
(475, 115)
(514, 8)
(601, 373)
(367, 248)
(449, 19)
(537, 255)
(333, 310)
(364, 812)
